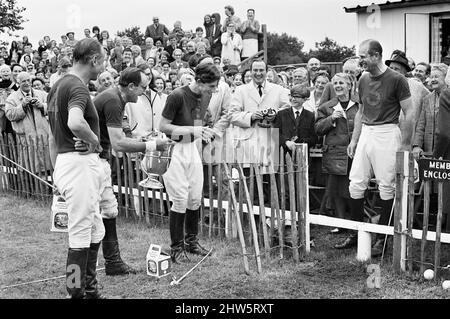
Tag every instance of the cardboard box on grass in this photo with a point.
(158, 265)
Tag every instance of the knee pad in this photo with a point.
(178, 205)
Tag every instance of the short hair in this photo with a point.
(253, 10)
(200, 44)
(85, 49)
(95, 28)
(130, 75)
(127, 50)
(345, 77)
(198, 29)
(165, 63)
(301, 90)
(374, 47)
(302, 70)
(177, 50)
(14, 65)
(441, 67)
(37, 79)
(321, 74)
(426, 65)
(258, 60)
(136, 48)
(207, 73)
(203, 58)
(172, 36)
(230, 8)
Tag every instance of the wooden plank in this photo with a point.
(47, 165)
(410, 240)
(437, 243)
(146, 204)
(426, 215)
(283, 198)
(275, 204)
(238, 222)
(210, 194)
(26, 183)
(252, 221)
(125, 182)
(264, 31)
(400, 211)
(290, 170)
(262, 211)
(161, 198)
(241, 211)
(14, 179)
(139, 188)
(131, 183)
(4, 173)
(219, 197)
(119, 181)
(39, 150)
(302, 193)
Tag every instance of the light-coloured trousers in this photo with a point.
(80, 179)
(184, 178)
(375, 155)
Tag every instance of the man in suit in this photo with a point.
(177, 64)
(156, 30)
(296, 124)
(171, 47)
(253, 141)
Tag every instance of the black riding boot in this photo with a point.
(191, 240)
(91, 273)
(356, 211)
(76, 272)
(176, 224)
(114, 264)
(386, 208)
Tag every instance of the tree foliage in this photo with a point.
(284, 49)
(11, 18)
(330, 51)
(134, 34)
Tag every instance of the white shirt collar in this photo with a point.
(294, 110)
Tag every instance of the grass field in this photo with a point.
(29, 252)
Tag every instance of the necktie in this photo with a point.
(297, 118)
(260, 90)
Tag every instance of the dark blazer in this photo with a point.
(285, 122)
(159, 32)
(442, 146)
(214, 40)
(169, 49)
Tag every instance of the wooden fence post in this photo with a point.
(401, 210)
(437, 244)
(302, 196)
(264, 31)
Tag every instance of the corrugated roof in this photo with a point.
(397, 4)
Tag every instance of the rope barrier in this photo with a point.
(29, 172)
(37, 281)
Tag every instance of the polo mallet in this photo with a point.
(176, 282)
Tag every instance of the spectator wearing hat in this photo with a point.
(249, 30)
(71, 42)
(399, 63)
(231, 44)
(63, 67)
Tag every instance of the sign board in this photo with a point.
(434, 170)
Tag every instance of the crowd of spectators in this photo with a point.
(169, 57)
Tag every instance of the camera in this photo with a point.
(268, 112)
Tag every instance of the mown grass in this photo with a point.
(29, 251)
